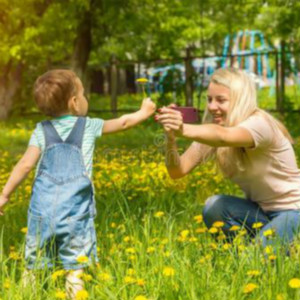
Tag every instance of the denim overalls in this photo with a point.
(62, 209)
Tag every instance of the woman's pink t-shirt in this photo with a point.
(271, 177)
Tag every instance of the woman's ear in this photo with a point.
(73, 105)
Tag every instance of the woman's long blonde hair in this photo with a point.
(243, 104)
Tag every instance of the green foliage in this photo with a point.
(151, 239)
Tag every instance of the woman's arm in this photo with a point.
(210, 134)
(19, 173)
(127, 121)
(218, 136)
(180, 165)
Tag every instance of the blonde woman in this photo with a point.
(250, 147)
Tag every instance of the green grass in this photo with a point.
(150, 243)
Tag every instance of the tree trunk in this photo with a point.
(122, 88)
(188, 79)
(10, 81)
(113, 85)
(83, 45)
(282, 75)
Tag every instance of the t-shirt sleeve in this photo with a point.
(35, 139)
(260, 130)
(96, 126)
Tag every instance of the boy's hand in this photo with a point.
(3, 201)
(148, 107)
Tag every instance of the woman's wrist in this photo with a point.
(4, 194)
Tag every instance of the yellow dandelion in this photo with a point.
(164, 241)
(130, 250)
(193, 239)
(142, 80)
(235, 228)
(241, 248)
(202, 260)
(82, 259)
(227, 246)
(57, 274)
(184, 233)
(60, 295)
(253, 273)
(6, 284)
(140, 297)
(86, 277)
(14, 255)
(272, 257)
(268, 232)
(127, 239)
(280, 297)
(104, 276)
(130, 271)
(150, 250)
(132, 257)
(168, 272)
(268, 249)
(257, 225)
(250, 287)
(167, 254)
(294, 283)
(198, 219)
(140, 282)
(201, 230)
(24, 230)
(218, 224)
(113, 225)
(159, 214)
(129, 279)
(242, 232)
(221, 237)
(82, 295)
(213, 246)
(213, 230)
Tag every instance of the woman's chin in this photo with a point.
(218, 121)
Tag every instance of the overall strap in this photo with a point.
(50, 133)
(76, 135)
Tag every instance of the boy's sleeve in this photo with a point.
(35, 137)
(96, 126)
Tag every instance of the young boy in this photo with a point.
(62, 210)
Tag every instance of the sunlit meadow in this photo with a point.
(152, 242)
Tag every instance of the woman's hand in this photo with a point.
(171, 120)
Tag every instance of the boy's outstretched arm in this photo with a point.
(127, 121)
(19, 173)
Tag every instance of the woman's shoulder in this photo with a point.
(262, 128)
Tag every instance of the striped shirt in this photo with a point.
(63, 126)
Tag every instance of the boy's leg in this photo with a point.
(286, 225)
(232, 211)
(74, 283)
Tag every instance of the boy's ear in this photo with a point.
(72, 105)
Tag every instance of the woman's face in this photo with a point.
(218, 97)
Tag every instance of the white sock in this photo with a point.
(73, 283)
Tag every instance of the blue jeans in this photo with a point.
(62, 209)
(238, 211)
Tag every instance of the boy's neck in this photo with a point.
(66, 116)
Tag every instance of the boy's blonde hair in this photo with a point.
(243, 104)
(53, 90)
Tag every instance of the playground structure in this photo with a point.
(246, 50)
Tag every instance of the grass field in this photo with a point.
(152, 243)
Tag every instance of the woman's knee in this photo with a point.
(213, 207)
